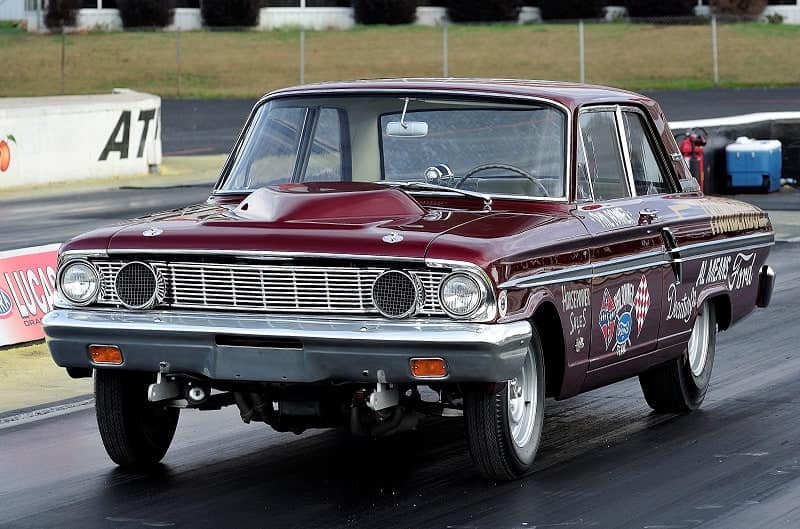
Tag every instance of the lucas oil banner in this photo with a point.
(27, 285)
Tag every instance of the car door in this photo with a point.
(628, 251)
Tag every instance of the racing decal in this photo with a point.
(608, 317)
(727, 217)
(576, 302)
(612, 217)
(714, 270)
(619, 313)
(742, 271)
(681, 307)
(579, 343)
(641, 304)
(736, 271)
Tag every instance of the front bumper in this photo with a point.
(287, 348)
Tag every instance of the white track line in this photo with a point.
(39, 414)
(30, 250)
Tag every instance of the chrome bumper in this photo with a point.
(287, 348)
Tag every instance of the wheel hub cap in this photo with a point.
(698, 342)
(522, 394)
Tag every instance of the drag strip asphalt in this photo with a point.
(606, 461)
(56, 218)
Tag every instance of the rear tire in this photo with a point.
(504, 428)
(136, 433)
(680, 385)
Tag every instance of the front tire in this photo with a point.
(680, 386)
(136, 433)
(504, 428)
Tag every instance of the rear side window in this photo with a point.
(648, 175)
(603, 155)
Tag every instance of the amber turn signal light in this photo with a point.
(105, 354)
(428, 367)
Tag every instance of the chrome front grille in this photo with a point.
(270, 288)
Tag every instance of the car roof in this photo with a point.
(571, 95)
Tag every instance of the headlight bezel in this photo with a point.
(484, 303)
(60, 282)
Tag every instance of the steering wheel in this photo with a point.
(514, 169)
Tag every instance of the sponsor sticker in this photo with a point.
(5, 304)
(623, 313)
(576, 302)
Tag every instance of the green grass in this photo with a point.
(247, 64)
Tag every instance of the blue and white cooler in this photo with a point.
(754, 164)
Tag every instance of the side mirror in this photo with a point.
(407, 129)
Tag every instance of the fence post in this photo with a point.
(445, 50)
(581, 51)
(302, 56)
(178, 59)
(715, 49)
(63, 58)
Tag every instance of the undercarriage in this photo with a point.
(375, 410)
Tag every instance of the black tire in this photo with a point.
(487, 418)
(673, 387)
(136, 433)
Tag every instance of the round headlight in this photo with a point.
(461, 294)
(79, 283)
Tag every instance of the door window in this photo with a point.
(648, 175)
(603, 155)
(325, 158)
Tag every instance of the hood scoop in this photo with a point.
(320, 202)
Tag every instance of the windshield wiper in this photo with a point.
(487, 199)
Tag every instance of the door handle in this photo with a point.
(671, 245)
(647, 216)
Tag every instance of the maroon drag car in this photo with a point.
(379, 251)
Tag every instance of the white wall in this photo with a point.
(12, 9)
(57, 139)
(307, 17)
(790, 14)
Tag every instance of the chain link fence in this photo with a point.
(640, 54)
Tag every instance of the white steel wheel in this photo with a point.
(699, 341)
(680, 385)
(522, 404)
(504, 426)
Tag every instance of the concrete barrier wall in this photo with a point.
(57, 139)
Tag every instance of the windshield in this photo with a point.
(475, 145)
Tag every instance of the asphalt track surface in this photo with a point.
(606, 461)
(55, 218)
(193, 126)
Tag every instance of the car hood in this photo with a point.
(334, 219)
